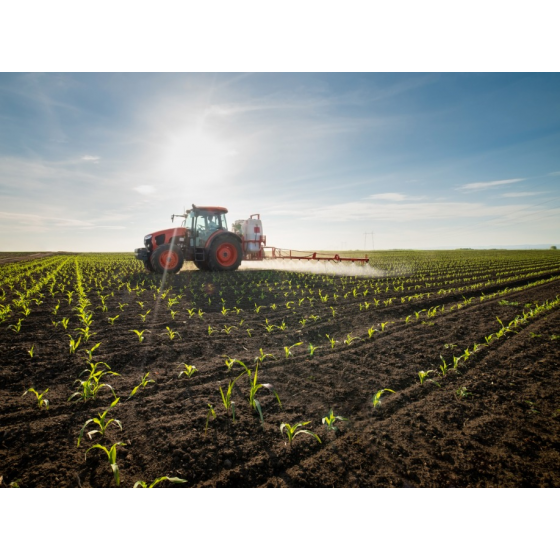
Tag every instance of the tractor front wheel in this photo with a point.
(167, 259)
(225, 253)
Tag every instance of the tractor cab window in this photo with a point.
(204, 224)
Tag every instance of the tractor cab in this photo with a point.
(202, 223)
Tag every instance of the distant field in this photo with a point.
(7, 254)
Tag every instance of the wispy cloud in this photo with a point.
(388, 196)
(394, 197)
(524, 193)
(487, 184)
(94, 159)
(405, 212)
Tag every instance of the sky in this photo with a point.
(95, 161)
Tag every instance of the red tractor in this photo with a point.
(204, 239)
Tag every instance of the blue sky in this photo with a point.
(93, 162)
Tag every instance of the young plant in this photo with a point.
(330, 419)
(112, 457)
(443, 367)
(229, 405)
(462, 393)
(188, 370)
(423, 374)
(227, 329)
(142, 484)
(371, 331)
(312, 349)
(331, 340)
(144, 316)
(294, 431)
(377, 397)
(288, 349)
(263, 356)
(172, 334)
(74, 344)
(16, 328)
(142, 385)
(138, 334)
(349, 339)
(211, 412)
(31, 350)
(90, 352)
(102, 422)
(41, 401)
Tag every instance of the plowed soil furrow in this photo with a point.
(493, 422)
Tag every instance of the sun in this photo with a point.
(197, 157)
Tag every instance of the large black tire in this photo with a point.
(201, 265)
(167, 259)
(225, 253)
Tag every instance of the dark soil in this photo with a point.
(492, 422)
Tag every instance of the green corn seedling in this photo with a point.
(211, 330)
(142, 385)
(229, 405)
(112, 457)
(211, 412)
(188, 370)
(423, 374)
(377, 397)
(312, 349)
(74, 344)
(288, 349)
(294, 431)
(142, 484)
(41, 401)
(138, 334)
(331, 340)
(172, 334)
(371, 331)
(260, 359)
(144, 316)
(227, 329)
(31, 350)
(64, 322)
(16, 328)
(173, 314)
(102, 422)
(443, 366)
(112, 320)
(349, 339)
(330, 419)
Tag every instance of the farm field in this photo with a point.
(434, 369)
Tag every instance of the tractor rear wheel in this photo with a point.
(167, 259)
(225, 253)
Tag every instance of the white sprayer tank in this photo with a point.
(252, 232)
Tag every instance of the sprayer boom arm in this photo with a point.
(289, 254)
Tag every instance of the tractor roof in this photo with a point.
(220, 209)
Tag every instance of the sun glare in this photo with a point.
(198, 157)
